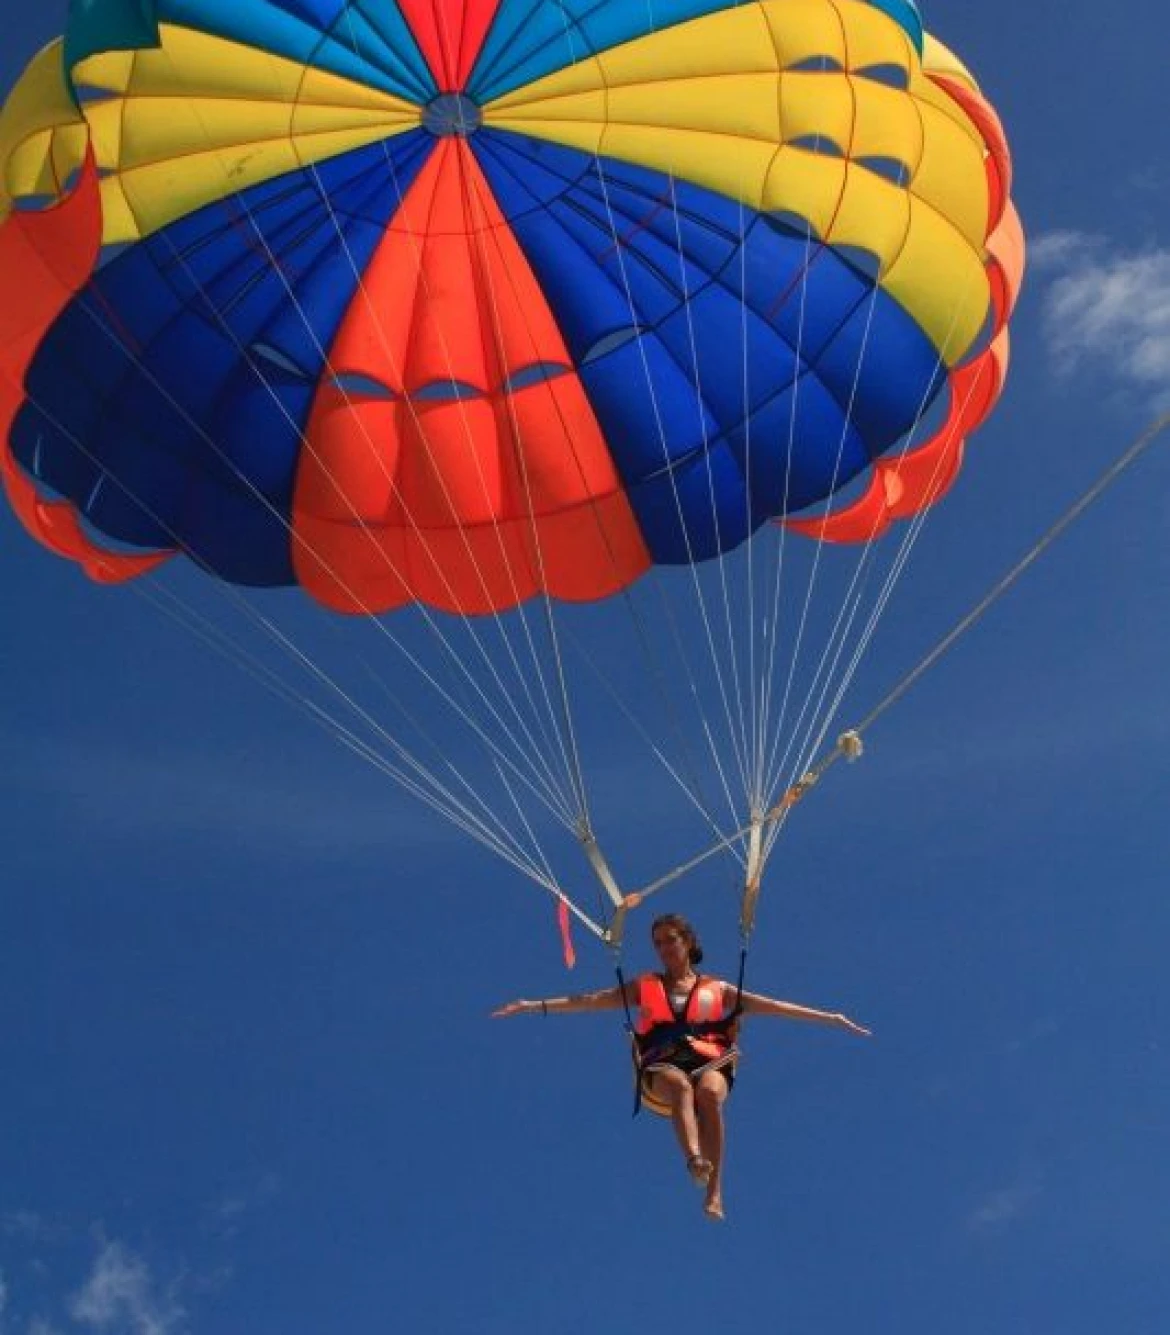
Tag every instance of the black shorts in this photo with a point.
(690, 1062)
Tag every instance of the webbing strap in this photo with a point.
(633, 1039)
(737, 1009)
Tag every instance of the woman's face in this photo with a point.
(673, 949)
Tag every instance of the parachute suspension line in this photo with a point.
(778, 814)
(501, 842)
(639, 626)
(752, 748)
(814, 738)
(641, 631)
(871, 303)
(792, 426)
(568, 738)
(430, 621)
(585, 832)
(668, 468)
(679, 641)
(424, 283)
(536, 755)
(893, 576)
(737, 736)
(421, 784)
(171, 606)
(851, 744)
(231, 595)
(1120, 466)
(693, 794)
(847, 614)
(550, 798)
(737, 724)
(769, 672)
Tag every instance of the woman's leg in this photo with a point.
(675, 1089)
(710, 1095)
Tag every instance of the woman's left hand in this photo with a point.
(515, 1008)
(844, 1022)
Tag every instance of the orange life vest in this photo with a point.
(656, 1020)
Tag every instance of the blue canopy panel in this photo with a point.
(368, 41)
(740, 370)
(530, 39)
(170, 400)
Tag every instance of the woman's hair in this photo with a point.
(685, 930)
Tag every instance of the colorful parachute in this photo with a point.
(457, 301)
(458, 304)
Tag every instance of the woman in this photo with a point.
(684, 1026)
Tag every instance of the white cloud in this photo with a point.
(39, 1326)
(1107, 312)
(121, 1294)
(1003, 1207)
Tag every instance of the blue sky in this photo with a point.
(249, 1080)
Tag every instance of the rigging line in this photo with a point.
(224, 590)
(640, 628)
(668, 466)
(570, 23)
(893, 577)
(1074, 512)
(684, 658)
(170, 605)
(817, 554)
(809, 259)
(637, 620)
(631, 607)
(428, 618)
(312, 668)
(861, 574)
(573, 757)
(534, 755)
(643, 732)
(425, 290)
(150, 377)
(1157, 428)
(501, 843)
(249, 486)
(862, 569)
(424, 283)
(755, 750)
(742, 747)
(770, 664)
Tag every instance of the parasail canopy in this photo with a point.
(460, 304)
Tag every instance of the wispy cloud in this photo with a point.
(1107, 311)
(1001, 1208)
(121, 1293)
(226, 1216)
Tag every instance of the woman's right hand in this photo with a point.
(515, 1008)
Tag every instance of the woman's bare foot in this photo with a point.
(713, 1208)
(700, 1169)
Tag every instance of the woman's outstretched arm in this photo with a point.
(753, 1004)
(608, 999)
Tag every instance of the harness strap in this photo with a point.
(639, 1065)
